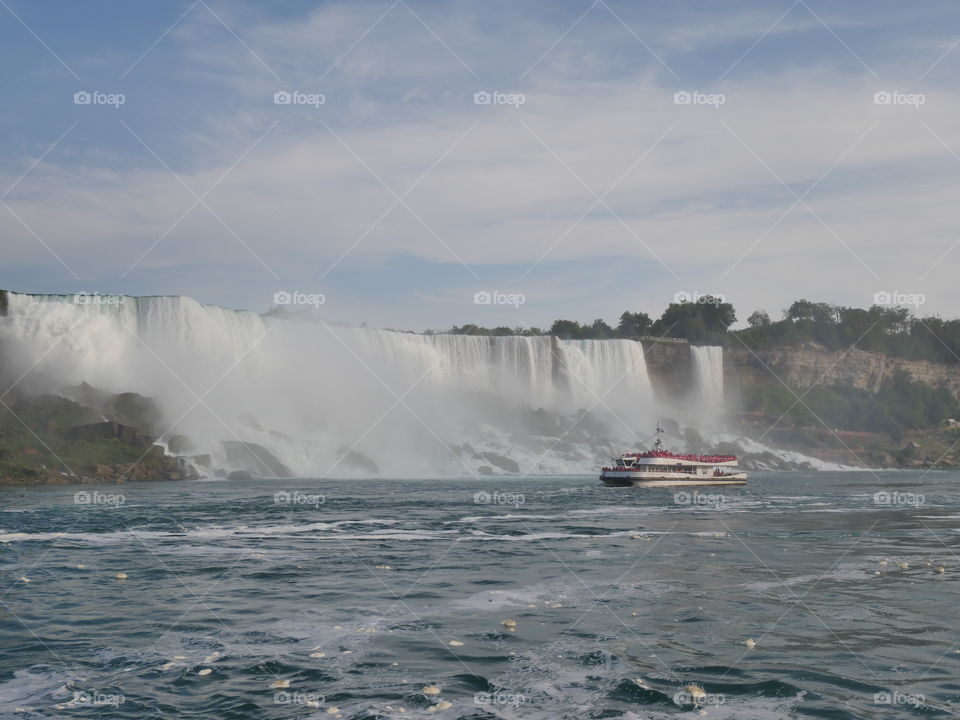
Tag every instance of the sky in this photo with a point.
(402, 160)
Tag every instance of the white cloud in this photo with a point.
(698, 200)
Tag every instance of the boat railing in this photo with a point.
(677, 456)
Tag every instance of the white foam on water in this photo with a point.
(497, 518)
(402, 535)
(45, 536)
(734, 708)
(225, 532)
(844, 573)
(514, 598)
(752, 446)
(479, 535)
(609, 510)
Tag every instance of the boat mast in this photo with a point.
(658, 443)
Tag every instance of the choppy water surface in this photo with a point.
(351, 597)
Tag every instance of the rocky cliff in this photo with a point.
(669, 365)
(51, 440)
(801, 368)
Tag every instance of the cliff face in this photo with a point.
(669, 365)
(670, 368)
(801, 368)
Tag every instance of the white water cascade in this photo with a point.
(308, 391)
(707, 363)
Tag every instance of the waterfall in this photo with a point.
(306, 389)
(613, 372)
(707, 363)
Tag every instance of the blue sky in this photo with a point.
(399, 197)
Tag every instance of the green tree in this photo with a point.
(758, 318)
(598, 330)
(468, 329)
(705, 320)
(567, 329)
(634, 325)
(819, 313)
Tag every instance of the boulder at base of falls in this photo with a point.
(504, 463)
(356, 460)
(201, 460)
(253, 458)
(179, 444)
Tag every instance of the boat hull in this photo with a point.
(628, 479)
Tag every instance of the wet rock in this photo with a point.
(356, 460)
(201, 460)
(500, 461)
(250, 421)
(179, 444)
(254, 458)
(135, 410)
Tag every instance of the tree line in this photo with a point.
(706, 320)
(893, 331)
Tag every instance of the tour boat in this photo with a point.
(661, 468)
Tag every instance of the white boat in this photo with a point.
(662, 468)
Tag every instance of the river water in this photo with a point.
(327, 598)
